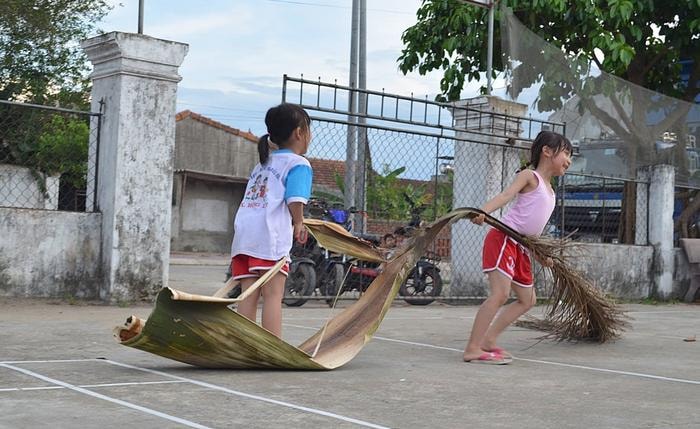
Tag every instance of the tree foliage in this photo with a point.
(63, 148)
(40, 56)
(641, 41)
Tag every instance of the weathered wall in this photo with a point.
(204, 147)
(625, 271)
(49, 254)
(622, 271)
(135, 84)
(203, 215)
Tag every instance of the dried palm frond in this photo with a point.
(204, 331)
(577, 309)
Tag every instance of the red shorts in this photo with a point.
(244, 266)
(506, 255)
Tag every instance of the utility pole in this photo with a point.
(141, 16)
(490, 5)
(362, 144)
(350, 181)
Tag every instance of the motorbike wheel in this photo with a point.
(421, 289)
(332, 280)
(300, 283)
(235, 292)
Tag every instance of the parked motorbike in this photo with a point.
(301, 280)
(423, 283)
(309, 258)
(421, 287)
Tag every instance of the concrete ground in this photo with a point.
(61, 368)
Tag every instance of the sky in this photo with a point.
(240, 49)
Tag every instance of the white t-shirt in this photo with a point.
(263, 224)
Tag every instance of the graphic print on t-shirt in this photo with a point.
(255, 197)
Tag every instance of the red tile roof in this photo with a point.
(203, 119)
(325, 171)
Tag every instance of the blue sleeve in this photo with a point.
(298, 184)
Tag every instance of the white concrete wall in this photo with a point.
(661, 228)
(49, 254)
(18, 188)
(202, 219)
(134, 85)
(623, 271)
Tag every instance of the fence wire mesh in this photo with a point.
(411, 175)
(415, 159)
(44, 157)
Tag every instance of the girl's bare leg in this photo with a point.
(509, 314)
(249, 306)
(500, 289)
(272, 304)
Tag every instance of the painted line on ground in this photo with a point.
(590, 368)
(10, 362)
(105, 397)
(249, 396)
(386, 318)
(88, 386)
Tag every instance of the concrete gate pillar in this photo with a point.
(481, 171)
(660, 224)
(134, 84)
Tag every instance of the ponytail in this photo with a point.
(264, 148)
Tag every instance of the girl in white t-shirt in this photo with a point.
(271, 216)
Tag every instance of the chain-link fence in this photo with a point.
(686, 213)
(596, 208)
(410, 177)
(413, 164)
(44, 157)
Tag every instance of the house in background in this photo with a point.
(213, 162)
(212, 165)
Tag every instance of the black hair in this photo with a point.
(281, 121)
(552, 140)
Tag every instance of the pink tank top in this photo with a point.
(531, 210)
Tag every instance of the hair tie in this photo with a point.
(271, 144)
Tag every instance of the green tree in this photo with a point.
(642, 42)
(40, 57)
(63, 149)
(450, 35)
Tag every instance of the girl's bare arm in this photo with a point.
(522, 180)
(297, 211)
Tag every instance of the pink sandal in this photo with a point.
(490, 358)
(501, 352)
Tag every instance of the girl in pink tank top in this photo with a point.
(506, 262)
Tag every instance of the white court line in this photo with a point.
(46, 361)
(590, 368)
(135, 383)
(106, 398)
(200, 383)
(386, 318)
(249, 396)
